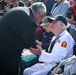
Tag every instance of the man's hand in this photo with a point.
(57, 71)
(71, 21)
(39, 43)
(36, 50)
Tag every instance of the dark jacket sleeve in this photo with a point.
(28, 35)
(45, 46)
(62, 67)
(22, 27)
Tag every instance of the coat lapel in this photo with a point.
(55, 8)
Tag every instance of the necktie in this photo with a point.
(52, 44)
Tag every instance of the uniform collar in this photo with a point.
(62, 32)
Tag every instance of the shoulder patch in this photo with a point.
(64, 44)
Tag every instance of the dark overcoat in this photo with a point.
(17, 31)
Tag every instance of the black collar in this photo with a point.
(31, 12)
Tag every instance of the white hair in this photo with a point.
(63, 24)
(38, 6)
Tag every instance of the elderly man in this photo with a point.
(17, 31)
(61, 47)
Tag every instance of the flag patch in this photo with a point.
(64, 44)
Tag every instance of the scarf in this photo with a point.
(74, 9)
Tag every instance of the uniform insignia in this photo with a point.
(64, 44)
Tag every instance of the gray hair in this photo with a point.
(38, 6)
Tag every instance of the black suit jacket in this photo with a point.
(17, 31)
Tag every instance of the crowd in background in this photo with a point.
(54, 7)
(67, 8)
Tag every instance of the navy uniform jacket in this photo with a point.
(17, 31)
(62, 49)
